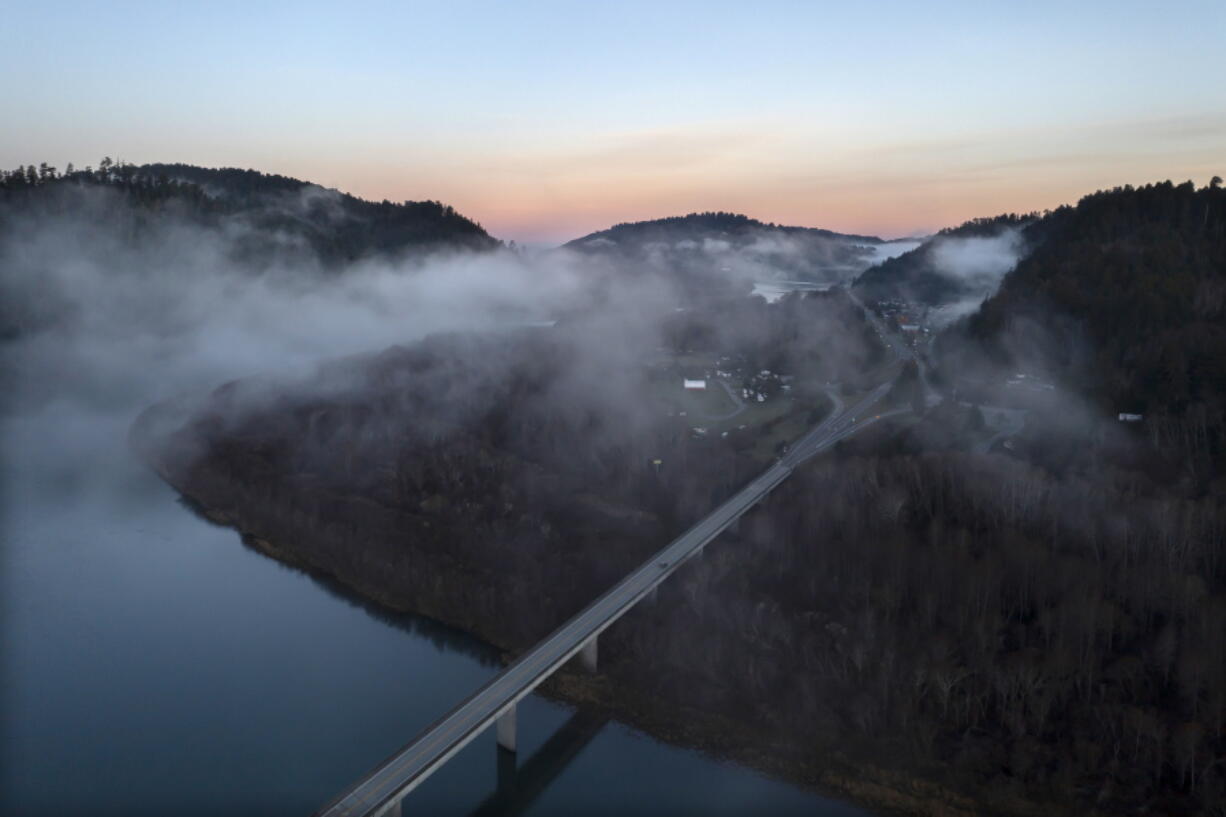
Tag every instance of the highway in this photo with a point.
(385, 785)
(406, 769)
(839, 426)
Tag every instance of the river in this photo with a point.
(155, 665)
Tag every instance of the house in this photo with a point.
(695, 385)
(1130, 418)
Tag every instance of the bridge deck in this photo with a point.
(407, 768)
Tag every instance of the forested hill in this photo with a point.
(1124, 297)
(335, 227)
(711, 250)
(923, 275)
(697, 226)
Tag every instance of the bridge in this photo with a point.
(381, 791)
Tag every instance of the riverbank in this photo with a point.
(817, 766)
(883, 790)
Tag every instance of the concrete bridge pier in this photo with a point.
(507, 768)
(587, 655)
(506, 729)
(392, 809)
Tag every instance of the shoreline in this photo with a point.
(825, 772)
(881, 790)
(715, 736)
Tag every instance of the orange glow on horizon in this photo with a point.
(887, 191)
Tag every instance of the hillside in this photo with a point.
(923, 623)
(728, 250)
(959, 265)
(276, 211)
(491, 451)
(1122, 300)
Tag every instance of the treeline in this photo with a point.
(1028, 636)
(711, 223)
(523, 462)
(821, 335)
(1038, 629)
(991, 225)
(1044, 629)
(1124, 300)
(337, 228)
(915, 275)
(493, 482)
(726, 254)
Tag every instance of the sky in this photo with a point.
(546, 121)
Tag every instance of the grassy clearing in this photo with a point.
(789, 425)
(760, 428)
(666, 389)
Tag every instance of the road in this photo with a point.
(736, 401)
(1005, 422)
(839, 426)
(412, 764)
(402, 772)
(836, 401)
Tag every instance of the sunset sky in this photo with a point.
(545, 121)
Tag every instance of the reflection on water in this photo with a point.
(518, 788)
(153, 665)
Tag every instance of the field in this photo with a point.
(760, 428)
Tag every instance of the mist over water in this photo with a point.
(155, 665)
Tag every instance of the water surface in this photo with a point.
(155, 665)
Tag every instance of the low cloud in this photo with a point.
(97, 325)
(978, 262)
(977, 265)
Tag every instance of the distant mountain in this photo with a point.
(696, 226)
(703, 250)
(958, 266)
(275, 211)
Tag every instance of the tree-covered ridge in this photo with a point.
(915, 275)
(990, 225)
(733, 225)
(727, 252)
(1124, 299)
(336, 226)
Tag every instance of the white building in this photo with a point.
(695, 385)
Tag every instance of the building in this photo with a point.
(695, 385)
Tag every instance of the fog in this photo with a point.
(700, 251)
(99, 324)
(110, 325)
(893, 249)
(978, 261)
(977, 264)
(137, 640)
